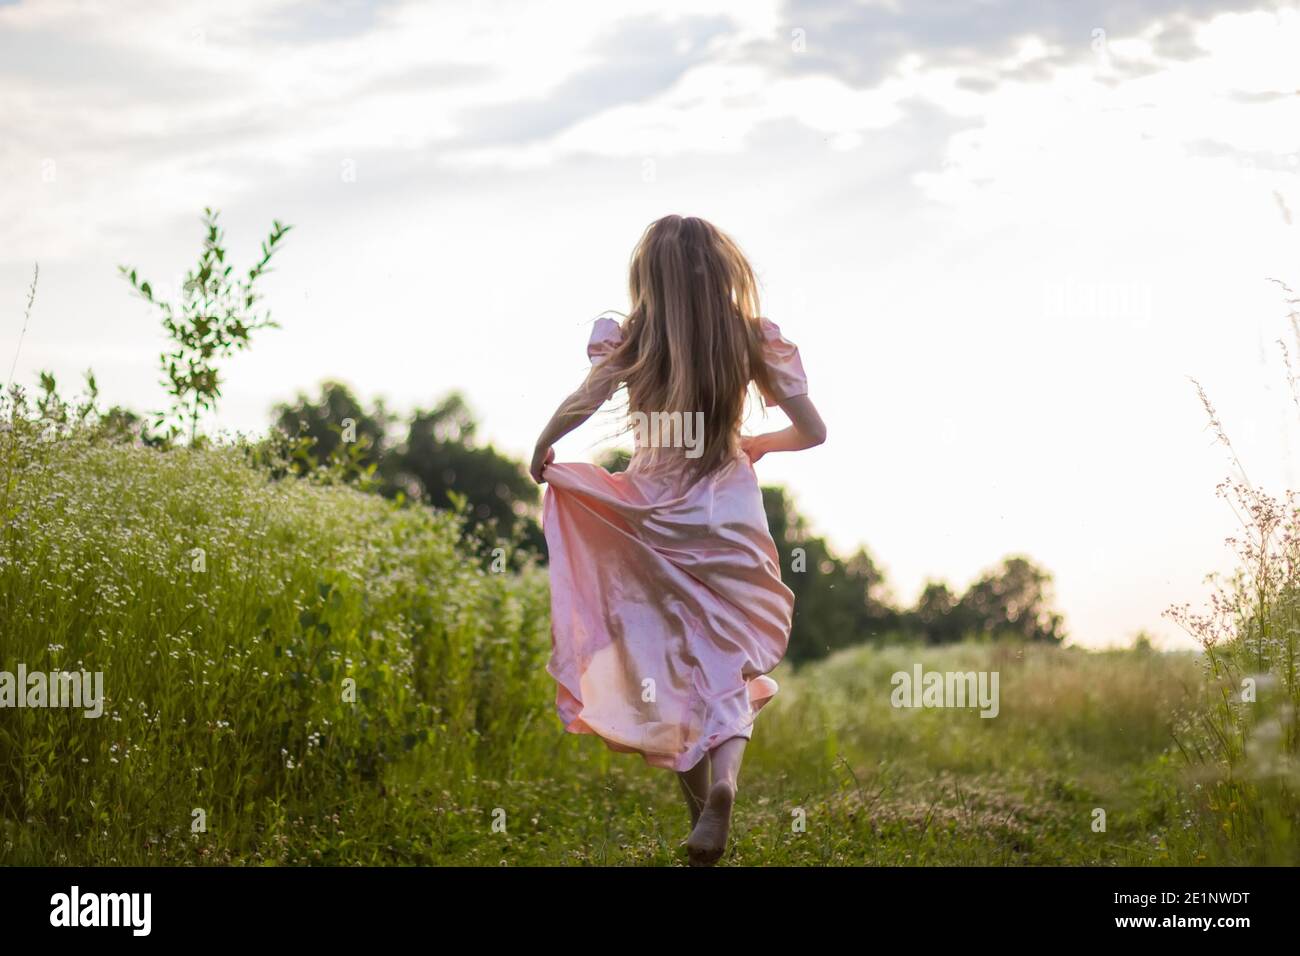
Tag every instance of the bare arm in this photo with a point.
(572, 412)
(806, 430)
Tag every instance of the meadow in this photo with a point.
(297, 672)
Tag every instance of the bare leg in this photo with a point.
(695, 788)
(725, 760)
(708, 840)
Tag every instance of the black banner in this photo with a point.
(365, 905)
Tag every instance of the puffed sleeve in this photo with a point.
(783, 365)
(606, 336)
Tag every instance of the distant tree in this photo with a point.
(934, 616)
(336, 419)
(1012, 599)
(441, 458)
(438, 461)
(837, 603)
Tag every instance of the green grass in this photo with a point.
(878, 786)
(226, 693)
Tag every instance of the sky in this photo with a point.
(1005, 237)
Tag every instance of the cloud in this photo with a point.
(639, 58)
(1144, 113)
(172, 102)
(863, 42)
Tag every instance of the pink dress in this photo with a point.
(667, 605)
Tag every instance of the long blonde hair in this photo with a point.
(692, 343)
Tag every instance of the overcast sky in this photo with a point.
(1003, 234)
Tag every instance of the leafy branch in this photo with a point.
(213, 319)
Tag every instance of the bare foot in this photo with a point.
(708, 840)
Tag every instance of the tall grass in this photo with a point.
(1076, 731)
(1241, 749)
(270, 650)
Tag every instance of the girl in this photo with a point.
(667, 604)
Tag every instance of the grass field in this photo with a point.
(872, 784)
(298, 673)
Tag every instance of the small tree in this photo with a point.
(213, 320)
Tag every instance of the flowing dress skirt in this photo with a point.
(667, 606)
